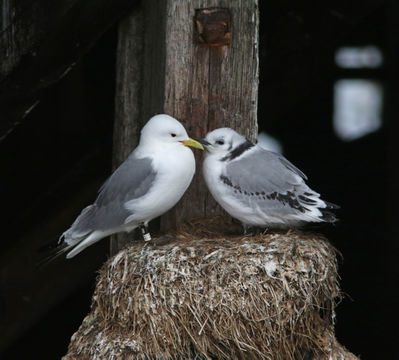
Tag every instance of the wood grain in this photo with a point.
(128, 99)
(40, 42)
(209, 87)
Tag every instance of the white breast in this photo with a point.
(242, 209)
(175, 170)
(212, 169)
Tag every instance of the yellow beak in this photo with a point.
(192, 143)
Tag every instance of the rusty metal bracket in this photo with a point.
(212, 26)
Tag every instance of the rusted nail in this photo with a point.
(212, 26)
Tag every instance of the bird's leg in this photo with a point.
(265, 231)
(144, 232)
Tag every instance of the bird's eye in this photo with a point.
(173, 135)
(220, 142)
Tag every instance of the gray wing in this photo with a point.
(270, 180)
(131, 180)
(265, 171)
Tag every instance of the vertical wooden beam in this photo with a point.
(205, 87)
(129, 83)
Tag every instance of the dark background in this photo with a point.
(64, 146)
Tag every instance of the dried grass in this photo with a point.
(203, 295)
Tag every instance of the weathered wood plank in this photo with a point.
(128, 99)
(204, 87)
(39, 43)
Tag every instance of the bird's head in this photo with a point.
(222, 142)
(163, 130)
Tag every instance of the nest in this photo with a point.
(203, 295)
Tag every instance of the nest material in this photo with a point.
(271, 296)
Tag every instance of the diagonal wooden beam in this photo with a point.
(39, 43)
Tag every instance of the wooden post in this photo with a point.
(191, 74)
(129, 82)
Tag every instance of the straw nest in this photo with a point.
(203, 295)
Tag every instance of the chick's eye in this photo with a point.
(220, 142)
(173, 135)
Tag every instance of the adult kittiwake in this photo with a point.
(259, 187)
(147, 184)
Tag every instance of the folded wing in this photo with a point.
(268, 182)
(133, 179)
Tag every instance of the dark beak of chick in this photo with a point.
(202, 141)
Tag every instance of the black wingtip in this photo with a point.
(328, 216)
(53, 244)
(53, 255)
(332, 206)
(53, 250)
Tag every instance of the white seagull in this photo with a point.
(147, 184)
(259, 187)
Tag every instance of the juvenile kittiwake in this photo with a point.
(259, 187)
(147, 184)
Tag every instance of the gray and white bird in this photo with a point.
(259, 187)
(147, 184)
